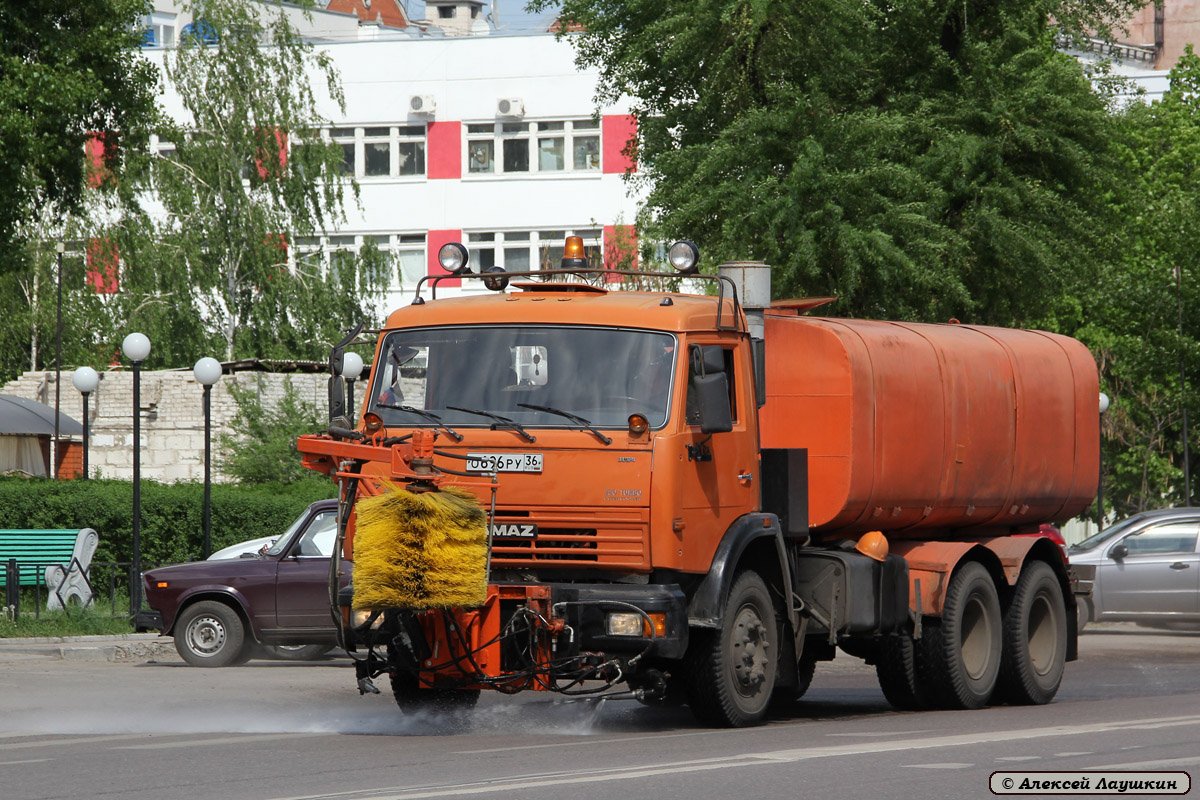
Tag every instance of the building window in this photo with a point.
(381, 151)
(160, 30)
(345, 138)
(331, 254)
(521, 251)
(561, 146)
(410, 257)
(446, 12)
(411, 153)
(377, 152)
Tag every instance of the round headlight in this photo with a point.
(495, 279)
(453, 257)
(372, 421)
(638, 424)
(684, 256)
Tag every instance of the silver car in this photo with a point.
(1147, 570)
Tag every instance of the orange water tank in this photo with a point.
(925, 430)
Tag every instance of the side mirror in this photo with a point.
(1119, 552)
(337, 397)
(711, 387)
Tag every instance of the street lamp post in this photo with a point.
(352, 366)
(85, 380)
(1104, 402)
(60, 247)
(207, 372)
(136, 348)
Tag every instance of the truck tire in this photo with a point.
(411, 698)
(731, 671)
(1035, 639)
(211, 634)
(786, 696)
(961, 652)
(896, 670)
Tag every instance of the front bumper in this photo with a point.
(585, 607)
(148, 621)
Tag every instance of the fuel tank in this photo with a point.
(925, 430)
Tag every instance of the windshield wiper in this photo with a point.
(498, 421)
(583, 423)
(420, 412)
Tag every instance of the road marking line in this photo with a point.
(26, 761)
(1162, 762)
(55, 742)
(586, 742)
(1018, 758)
(882, 733)
(945, 765)
(262, 737)
(547, 780)
(1079, 753)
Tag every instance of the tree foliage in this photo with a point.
(263, 447)
(918, 159)
(68, 70)
(246, 176)
(1144, 312)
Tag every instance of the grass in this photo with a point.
(78, 622)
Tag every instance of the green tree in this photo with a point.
(1143, 314)
(68, 71)
(238, 183)
(917, 159)
(264, 448)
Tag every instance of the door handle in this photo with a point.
(745, 477)
(1180, 565)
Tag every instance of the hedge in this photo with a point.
(172, 514)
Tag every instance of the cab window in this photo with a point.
(692, 413)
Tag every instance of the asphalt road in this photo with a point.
(166, 731)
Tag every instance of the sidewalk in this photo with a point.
(120, 648)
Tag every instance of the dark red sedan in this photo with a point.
(220, 611)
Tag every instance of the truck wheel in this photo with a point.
(411, 698)
(897, 674)
(210, 634)
(961, 651)
(731, 672)
(785, 696)
(1035, 639)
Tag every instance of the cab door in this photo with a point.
(302, 579)
(720, 470)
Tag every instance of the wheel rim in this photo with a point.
(749, 648)
(1043, 635)
(976, 639)
(205, 636)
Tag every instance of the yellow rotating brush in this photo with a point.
(420, 550)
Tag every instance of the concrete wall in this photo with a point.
(172, 416)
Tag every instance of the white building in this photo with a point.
(461, 133)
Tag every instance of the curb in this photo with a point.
(131, 648)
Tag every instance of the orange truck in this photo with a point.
(695, 498)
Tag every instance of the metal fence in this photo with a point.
(108, 583)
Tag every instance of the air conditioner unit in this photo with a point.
(510, 107)
(422, 104)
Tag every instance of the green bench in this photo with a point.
(57, 560)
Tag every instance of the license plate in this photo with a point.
(514, 530)
(504, 462)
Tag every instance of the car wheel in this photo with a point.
(1083, 610)
(731, 674)
(1035, 639)
(210, 634)
(961, 651)
(297, 652)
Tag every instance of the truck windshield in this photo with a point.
(600, 374)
